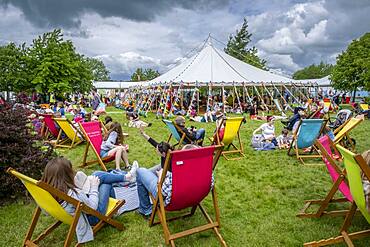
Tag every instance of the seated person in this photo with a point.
(284, 139)
(59, 108)
(268, 130)
(192, 133)
(135, 121)
(94, 191)
(296, 118)
(108, 122)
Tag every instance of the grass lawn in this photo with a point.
(258, 195)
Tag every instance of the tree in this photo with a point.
(144, 75)
(13, 75)
(99, 71)
(56, 67)
(313, 71)
(237, 47)
(352, 70)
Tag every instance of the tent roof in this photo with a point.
(213, 65)
(324, 81)
(114, 84)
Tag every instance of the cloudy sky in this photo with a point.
(289, 34)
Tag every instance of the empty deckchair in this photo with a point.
(74, 135)
(93, 135)
(355, 166)
(44, 196)
(337, 174)
(305, 136)
(231, 131)
(188, 193)
(342, 133)
(178, 134)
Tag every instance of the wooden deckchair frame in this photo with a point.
(329, 198)
(80, 208)
(99, 160)
(61, 142)
(314, 149)
(345, 236)
(182, 135)
(346, 136)
(237, 150)
(159, 209)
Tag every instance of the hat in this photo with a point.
(82, 182)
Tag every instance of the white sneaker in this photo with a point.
(134, 167)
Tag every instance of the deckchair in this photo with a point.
(197, 164)
(342, 133)
(48, 126)
(338, 176)
(178, 134)
(93, 135)
(364, 107)
(74, 135)
(231, 130)
(355, 166)
(44, 196)
(305, 136)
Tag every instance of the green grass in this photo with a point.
(259, 197)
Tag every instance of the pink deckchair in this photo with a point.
(338, 176)
(198, 165)
(93, 134)
(50, 125)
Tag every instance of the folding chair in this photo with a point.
(93, 134)
(305, 136)
(231, 130)
(342, 133)
(74, 135)
(44, 196)
(188, 193)
(355, 166)
(48, 126)
(364, 107)
(338, 176)
(178, 134)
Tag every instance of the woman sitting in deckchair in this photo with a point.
(94, 191)
(111, 145)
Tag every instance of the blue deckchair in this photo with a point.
(179, 135)
(307, 132)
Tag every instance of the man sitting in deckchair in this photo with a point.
(192, 133)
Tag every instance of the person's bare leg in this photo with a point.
(118, 158)
(124, 157)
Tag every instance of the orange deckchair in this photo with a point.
(44, 195)
(231, 129)
(188, 193)
(93, 134)
(356, 167)
(74, 135)
(338, 176)
(342, 133)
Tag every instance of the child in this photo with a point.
(135, 121)
(112, 145)
(94, 191)
(284, 139)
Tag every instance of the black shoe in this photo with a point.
(149, 124)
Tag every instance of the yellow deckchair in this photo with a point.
(364, 107)
(74, 135)
(231, 130)
(342, 133)
(44, 196)
(356, 167)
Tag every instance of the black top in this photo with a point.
(189, 134)
(163, 159)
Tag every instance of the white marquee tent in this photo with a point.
(213, 65)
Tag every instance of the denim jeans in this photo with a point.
(146, 182)
(105, 191)
(200, 134)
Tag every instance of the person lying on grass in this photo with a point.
(94, 191)
(112, 145)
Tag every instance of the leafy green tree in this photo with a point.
(13, 68)
(237, 47)
(144, 75)
(56, 67)
(352, 70)
(100, 72)
(313, 71)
